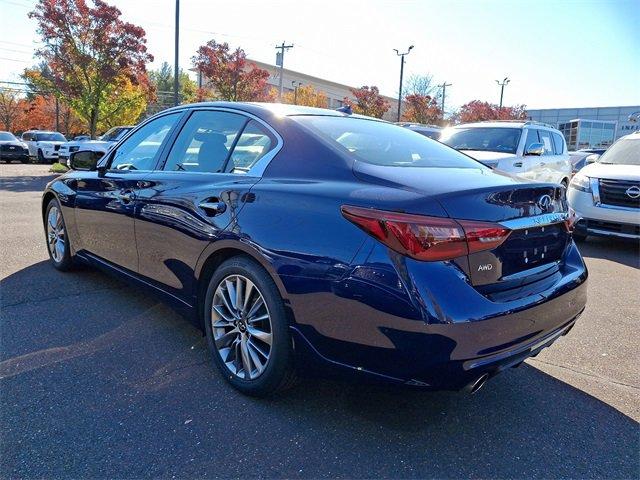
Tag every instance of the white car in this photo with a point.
(606, 194)
(43, 145)
(531, 150)
(431, 131)
(110, 138)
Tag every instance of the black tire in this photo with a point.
(41, 158)
(65, 262)
(279, 372)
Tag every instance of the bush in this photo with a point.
(58, 168)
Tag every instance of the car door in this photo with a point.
(196, 194)
(105, 201)
(564, 165)
(531, 163)
(29, 138)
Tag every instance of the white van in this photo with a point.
(531, 150)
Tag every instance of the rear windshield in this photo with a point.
(6, 137)
(381, 143)
(623, 152)
(50, 137)
(483, 139)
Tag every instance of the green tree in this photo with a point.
(162, 81)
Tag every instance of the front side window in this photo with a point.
(545, 139)
(382, 143)
(205, 141)
(558, 142)
(140, 150)
(532, 137)
(254, 143)
(489, 139)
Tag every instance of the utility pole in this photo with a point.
(505, 81)
(444, 93)
(176, 68)
(280, 61)
(401, 55)
(57, 46)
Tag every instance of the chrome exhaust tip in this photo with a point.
(477, 384)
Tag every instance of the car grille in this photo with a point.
(11, 148)
(614, 192)
(531, 247)
(56, 147)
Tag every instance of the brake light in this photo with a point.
(427, 238)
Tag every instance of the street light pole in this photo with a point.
(401, 55)
(505, 81)
(176, 69)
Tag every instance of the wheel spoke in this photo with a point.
(255, 359)
(231, 292)
(59, 248)
(260, 335)
(248, 291)
(246, 358)
(225, 339)
(52, 217)
(223, 316)
(238, 298)
(255, 307)
(258, 319)
(222, 295)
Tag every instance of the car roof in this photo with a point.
(272, 109)
(506, 124)
(41, 131)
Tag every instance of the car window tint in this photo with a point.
(254, 143)
(490, 139)
(203, 144)
(545, 138)
(558, 143)
(140, 150)
(532, 137)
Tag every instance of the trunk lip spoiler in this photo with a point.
(535, 221)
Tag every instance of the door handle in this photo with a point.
(127, 196)
(213, 206)
(542, 164)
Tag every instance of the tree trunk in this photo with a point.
(93, 124)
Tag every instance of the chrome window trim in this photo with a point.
(535, 221)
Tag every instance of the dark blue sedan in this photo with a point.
(305, 240)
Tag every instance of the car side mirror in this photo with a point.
(593, 158)
(536, 149)
(85, 160)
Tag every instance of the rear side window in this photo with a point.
(27, 137)
(558, 142)
(381, 143)
(205, 141)
(545, 138)
(254, 143)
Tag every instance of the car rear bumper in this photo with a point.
(425, 326)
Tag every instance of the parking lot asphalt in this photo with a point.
(100, 380)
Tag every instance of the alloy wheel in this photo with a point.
(241, 327)
(55, 234)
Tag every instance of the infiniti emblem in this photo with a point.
(633, 192)
(544, 202)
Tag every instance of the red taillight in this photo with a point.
(427, 238)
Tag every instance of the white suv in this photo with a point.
(531, 150)
(606, 194)
(43, 145)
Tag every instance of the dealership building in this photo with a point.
(590, 127)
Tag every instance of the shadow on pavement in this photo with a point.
(120, 386)
(626, 252)
(25, 183)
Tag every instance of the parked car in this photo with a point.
(396, 259)
(12, 149)
(531, 150)
(582, 157)
(431, 131)
(82, 138)
(43, 145)
(102, 145)
(606, 194)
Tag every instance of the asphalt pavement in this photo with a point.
(100, 380)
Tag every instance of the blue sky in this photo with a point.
(557, 53)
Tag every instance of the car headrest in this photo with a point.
(210, 137)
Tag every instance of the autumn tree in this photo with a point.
(162, 81)
(306, 95)
(126, 102)
(421, 109)
(10, 109)
(89, 49)
(368, 101)
(230, 75)
(477, 111)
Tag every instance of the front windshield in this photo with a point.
(382, 143)
(116, 133)
(7, 137)
(50, 137)
(623, 152)
(488, 139)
